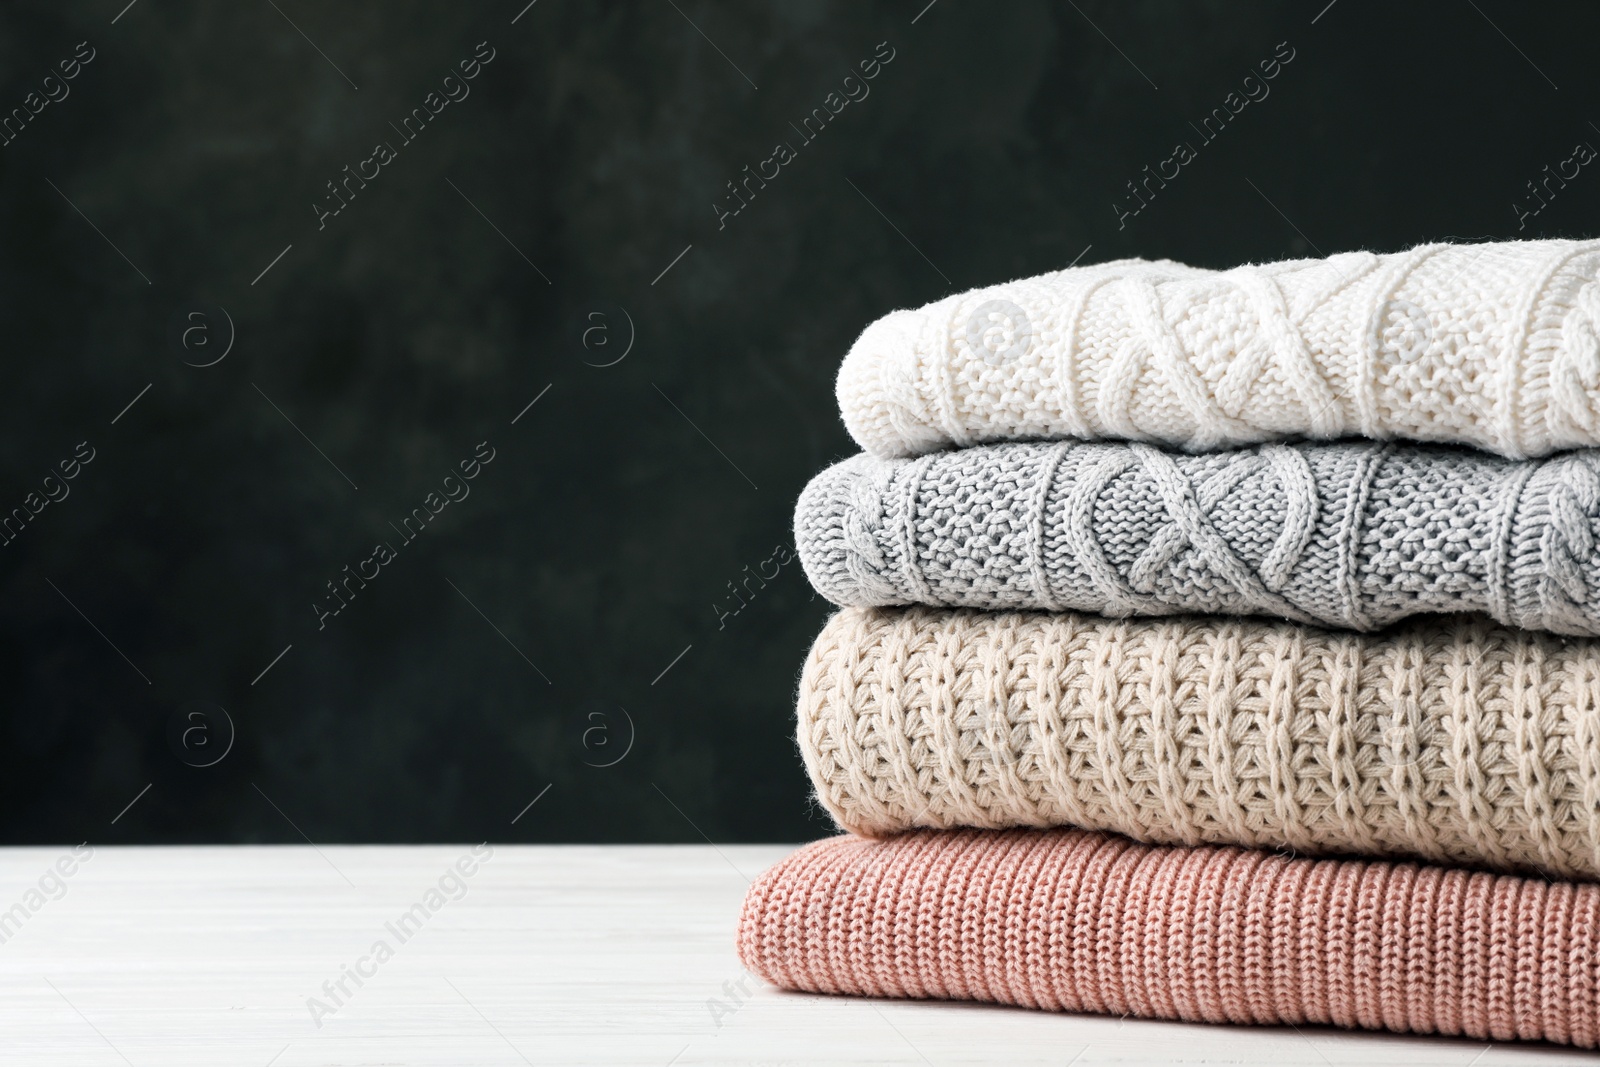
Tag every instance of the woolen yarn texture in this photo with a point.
(1452, 740)
(1073, 921)
(1355, 535)
(1494, 345)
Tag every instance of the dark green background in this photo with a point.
(601, 539)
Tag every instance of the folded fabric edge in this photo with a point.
(1094, 923)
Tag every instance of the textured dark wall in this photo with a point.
(493, 656)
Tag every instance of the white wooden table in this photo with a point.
(612, 955)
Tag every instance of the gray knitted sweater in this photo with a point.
(1356, 535)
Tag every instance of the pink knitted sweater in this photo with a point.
(1069, 920)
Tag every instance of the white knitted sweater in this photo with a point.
(1493, 345)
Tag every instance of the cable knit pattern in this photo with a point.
(1453, 741)
(1495, 345)
(1081, 922)
(1350, 535)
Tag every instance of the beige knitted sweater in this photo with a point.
(1495, 345)
(1457, 740)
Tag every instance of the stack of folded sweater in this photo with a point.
(1189, 666)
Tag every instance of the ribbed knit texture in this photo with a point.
(1351, 535)
(1493, 345)
(1074, 921)
(1450, 740)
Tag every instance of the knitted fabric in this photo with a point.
(1453, 741)
(1074, 921)
(1350, 535)
(1493, 345)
